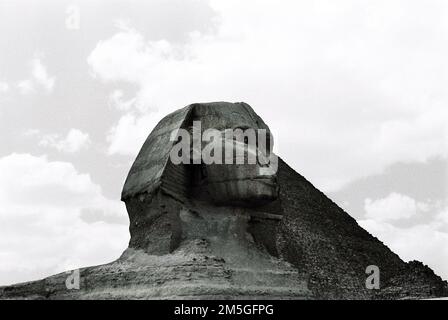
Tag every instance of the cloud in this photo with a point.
(417, 139)
(394, 207)
(41, 219)
(128, 45)
(424, 238)
(4, 87)
(40, 75)
(116, 101)
(443, 218)
(347, 88)
(426, 242)
(131, 131)
(39, 79)
(92, 215)
(309, 71)
(31, 132)
(26, 87)
(75, 141)
(426, 182)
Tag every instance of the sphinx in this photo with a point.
(234, 229)
(155, 181)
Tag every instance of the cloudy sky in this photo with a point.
(354, 91)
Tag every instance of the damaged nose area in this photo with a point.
(241, 185)
(248, 179)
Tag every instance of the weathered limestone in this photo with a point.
(209, 231)
(155, 202)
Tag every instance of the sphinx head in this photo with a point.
(219, 152)
(231, 155)
(212, 154)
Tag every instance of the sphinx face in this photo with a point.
(242, 184)
(243, 176)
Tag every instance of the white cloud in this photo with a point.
(130, 46)
(39, 79)
(41, 225)
(127, 137)
(394, 207)
(41, 76)
(116, 101)
(26, 87)
(442, 219)
(75, 141)
(31, 132)
(427, 242)
(416, 139)
(4, 87)
(362, 85)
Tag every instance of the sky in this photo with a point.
(353, 91)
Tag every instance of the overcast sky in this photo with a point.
(354, 91)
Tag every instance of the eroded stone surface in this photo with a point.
(188, 242)
(216, 259)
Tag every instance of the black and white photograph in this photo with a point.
(220, 151)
